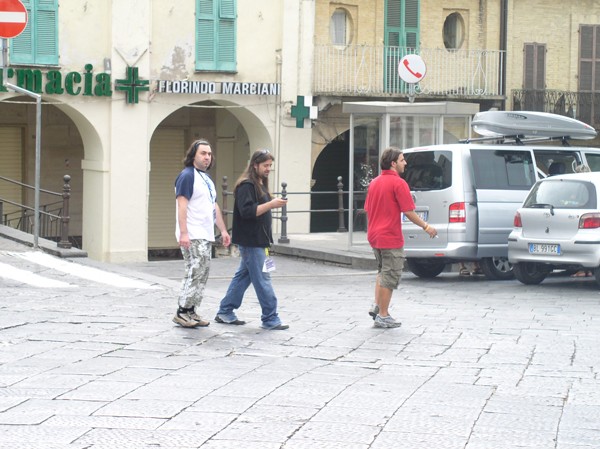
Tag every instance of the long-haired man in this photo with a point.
(252, 233)
(196, 217)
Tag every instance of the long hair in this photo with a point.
(188, 161)
(388, 156)
(258, 157)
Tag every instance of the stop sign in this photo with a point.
(13, 18)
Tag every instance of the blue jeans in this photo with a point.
(249, 272)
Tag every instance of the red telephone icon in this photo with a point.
(417, 74)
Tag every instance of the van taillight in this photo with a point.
(456, 213)
(589, 221)
(517, 223)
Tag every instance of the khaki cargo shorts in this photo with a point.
(390, 263)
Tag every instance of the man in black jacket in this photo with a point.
(252, 233)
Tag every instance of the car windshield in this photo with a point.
(562, 194)
(428, 170)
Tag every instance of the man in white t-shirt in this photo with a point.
(197, 213)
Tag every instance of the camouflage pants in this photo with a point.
(197, 265)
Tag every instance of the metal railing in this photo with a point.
(583, 106)
(283, 214)
(363, 70)
(53, 217)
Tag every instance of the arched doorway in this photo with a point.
(233, 131)
(332, 162)
(62, 152)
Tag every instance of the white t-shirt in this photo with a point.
(200, 191)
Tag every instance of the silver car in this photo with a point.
(557, 227)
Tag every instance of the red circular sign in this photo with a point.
(13, 18)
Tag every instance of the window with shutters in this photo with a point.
(589, 74)
(401, 37)
(534, 76)
(38, 43)
(216, 35)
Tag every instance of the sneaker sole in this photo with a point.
(279, 327)
(384, 326)
(235, 323)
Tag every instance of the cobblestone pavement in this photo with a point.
(95, 362)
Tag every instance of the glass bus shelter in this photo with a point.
(377, 125)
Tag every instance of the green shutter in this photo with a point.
(46, 25)
(38, 44)
(216, 35)
(393, 23)
(411, 23)
(205, 35)
(402, 23)
(401, 37)
(21, 47)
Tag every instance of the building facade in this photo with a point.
(127, 86)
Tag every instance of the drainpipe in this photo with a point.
(503, 47)
(278, 63)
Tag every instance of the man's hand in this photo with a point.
(226, 238)
(277, 203)
(184, 240)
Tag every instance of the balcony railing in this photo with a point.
(583, 106)
(373, 71)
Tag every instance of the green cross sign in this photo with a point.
(301, 112)
(132, 85)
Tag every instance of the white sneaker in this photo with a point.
(386, 322)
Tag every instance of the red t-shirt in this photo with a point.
(388, 195)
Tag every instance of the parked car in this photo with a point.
(470, 191)
(557, 227)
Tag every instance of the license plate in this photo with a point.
(423, 214)
(544, 248)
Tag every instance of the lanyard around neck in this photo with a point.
(212, 194)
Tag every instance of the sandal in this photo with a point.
(477, 272)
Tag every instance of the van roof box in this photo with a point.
(526, 124)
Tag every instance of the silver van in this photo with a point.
(470, 193)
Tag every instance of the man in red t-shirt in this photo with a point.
(388, 197)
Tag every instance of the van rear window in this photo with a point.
(562, 194)
(502, 169)
(428, 170)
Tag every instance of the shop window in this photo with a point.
(454, 31)
(38, 43)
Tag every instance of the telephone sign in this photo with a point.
(412, 69)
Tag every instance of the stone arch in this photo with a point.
(232, 128)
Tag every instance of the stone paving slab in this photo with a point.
(476, 364)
